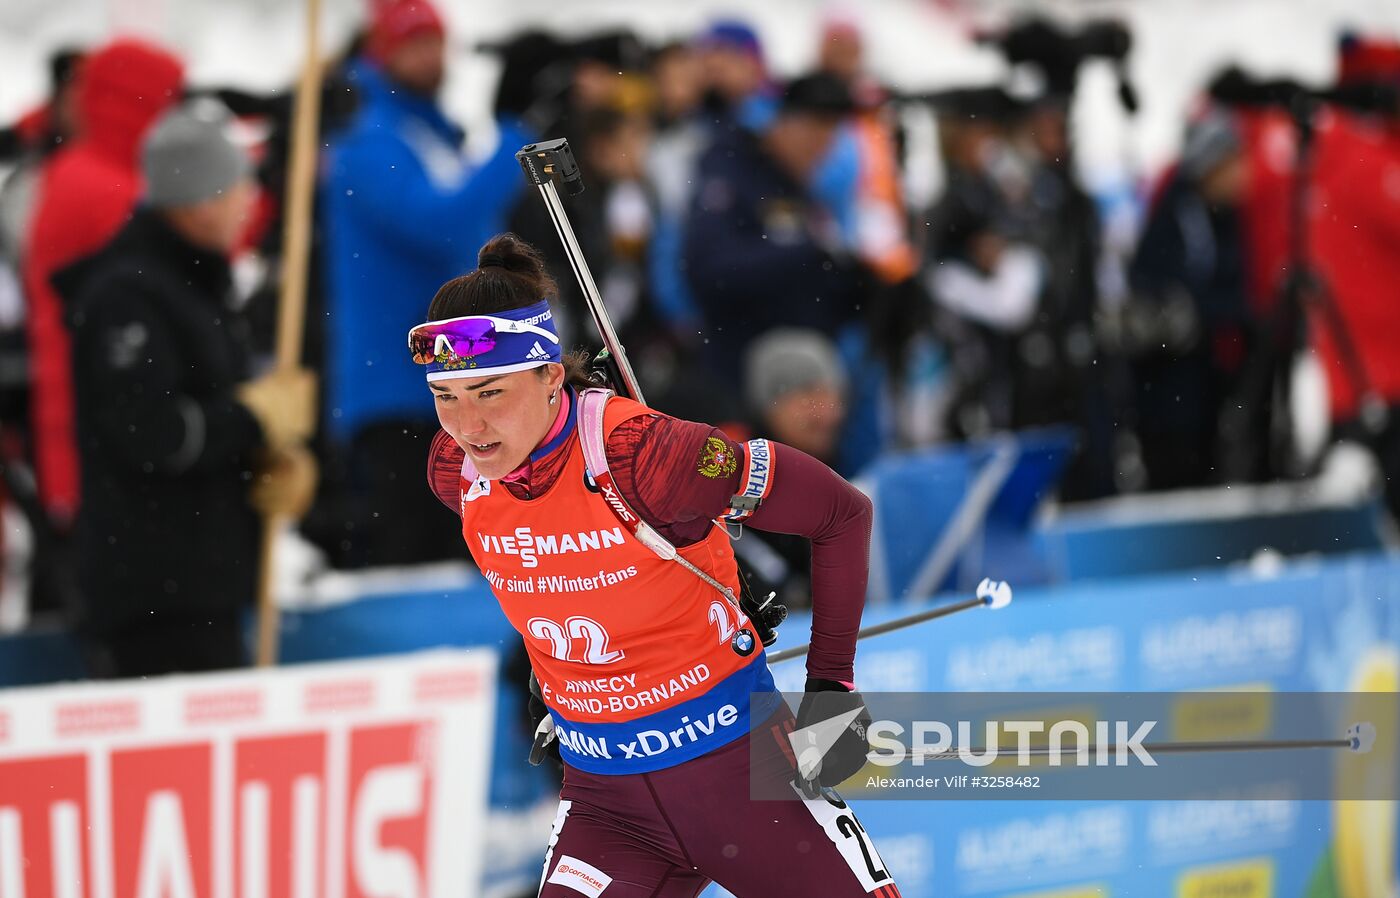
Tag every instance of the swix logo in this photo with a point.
(529, 545)
(618, 506)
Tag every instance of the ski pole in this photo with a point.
(990, 594)
(543, 164)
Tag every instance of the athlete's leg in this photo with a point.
(617, 845)
(768, 849)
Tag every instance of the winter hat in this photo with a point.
(732, 34)
(189, 157)
(1209, 141)
(788, 359)
(395, 21)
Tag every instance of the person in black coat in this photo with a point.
(757, 244)
(1191, 308)
(171, 430)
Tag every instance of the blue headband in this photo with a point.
(486, 345)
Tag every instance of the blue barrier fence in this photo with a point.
(1323, 626)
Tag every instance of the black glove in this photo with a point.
(823, 701)
(546, 745)
(767, 614)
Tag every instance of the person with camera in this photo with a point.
(1190, 323)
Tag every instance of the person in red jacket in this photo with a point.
(87, 191)
(660, 694)
(1354, 238)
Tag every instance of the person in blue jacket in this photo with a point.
(404, 211)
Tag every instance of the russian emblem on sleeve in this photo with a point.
(716, 459)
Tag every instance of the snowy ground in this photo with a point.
(913, 44)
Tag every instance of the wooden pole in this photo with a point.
(291, 306)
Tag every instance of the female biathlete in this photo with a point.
(598, 523)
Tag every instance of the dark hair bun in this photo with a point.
(513, 254)
(510, 274)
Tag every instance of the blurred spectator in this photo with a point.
(758, 247)
(795, 388)
(1354, 233)
(601, 100)
(45, 127)
(860, 179)
(616, 145)
(404, 211)
(27, 144)
(986, 279)
(841, 52)
(274, 111)
(167, 536)
(86, 192)
(1061, 376)
(613, 220)
(1191, 320)
(796, 385)
(30, 141)
(671, 163)
(740, 92)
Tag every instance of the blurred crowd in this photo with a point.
(759, 242)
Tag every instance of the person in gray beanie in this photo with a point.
(795, 386)
(172, 431)
(1211, 141)
(197, 177)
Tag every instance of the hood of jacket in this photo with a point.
(122, 89)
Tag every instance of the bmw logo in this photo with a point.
(743, 643)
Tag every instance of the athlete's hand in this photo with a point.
(546, 742)
(831, 739)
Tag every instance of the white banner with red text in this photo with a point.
(363, 779)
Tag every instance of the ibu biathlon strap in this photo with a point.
(757, 483)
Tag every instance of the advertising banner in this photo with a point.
(1312, 627)
(363, 779)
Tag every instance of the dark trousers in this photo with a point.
(668, 833)
(376, 507)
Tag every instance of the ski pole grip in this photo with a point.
(551, 160)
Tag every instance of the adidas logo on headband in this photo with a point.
(537, 352)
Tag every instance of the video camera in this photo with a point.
(1059, 52)
(1234, 87)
